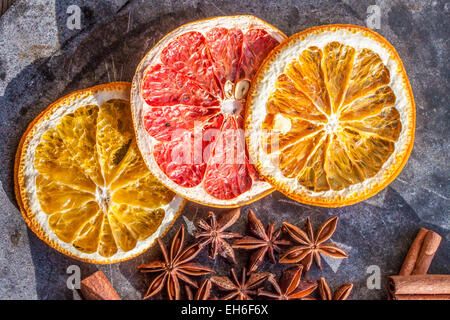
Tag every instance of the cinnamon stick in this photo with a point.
(429, 247)
(97, 287)
(429, 284)
(421, 253)
(413, 253)
(421, 297)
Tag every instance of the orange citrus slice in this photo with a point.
(187, 103)
(330, 116)
(81, 183)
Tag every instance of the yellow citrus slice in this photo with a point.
(330, 116)
(187, 102)
(81, 183)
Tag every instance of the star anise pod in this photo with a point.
(240, 290)
(310, 247)
(264, 241)
(203, 292)
(291, 286)
(176, 266)
(212, 234)
(341, 294)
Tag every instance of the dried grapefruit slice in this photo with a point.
(187, 105)
(81, 182)
(330, 116)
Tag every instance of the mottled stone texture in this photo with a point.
(42, 60)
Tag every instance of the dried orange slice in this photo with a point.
(81, 183)
(330, 116)
(187, 104)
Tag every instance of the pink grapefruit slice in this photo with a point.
(188, 95)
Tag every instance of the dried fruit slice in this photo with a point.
(81, 183)
(330, 116)
(187, 105)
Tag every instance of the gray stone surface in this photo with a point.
(42, 60)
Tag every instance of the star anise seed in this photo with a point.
(203, 292)
(341, 293)
(290, 285)
(240, 290)
(264, 241)
(310, 246)
(176, 266)
(212, 234)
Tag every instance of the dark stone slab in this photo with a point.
(42, 60)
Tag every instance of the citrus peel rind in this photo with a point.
(213, 94)
(350, 87)
(63, 204)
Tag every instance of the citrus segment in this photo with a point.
(170, 122)
(53, 160)
(77, 130)
(225, 46)
(88, 237)
(125, 239)
(56, 197)
(146, 192)
(113, 136)
(288, 100)
(182, 159)
(226, 175)
(163, 86)
(66, 225)
(385, 125)
(330, 118)
(369, 105)
(187, 99)
(175, 160)
(286, 131)
(143, 222)
(107, 246)
(313, 175)
(189, 55)
(368, 73)
(89, 136)
(370, 152)
(308, 76)
(257, 43)
(337, 63)
(291, 166)
(342, 170)
(130, 169)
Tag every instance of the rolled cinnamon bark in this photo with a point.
(97, 287)
(421, 297)
(413, 253)
(429, 284)
(429, 247)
